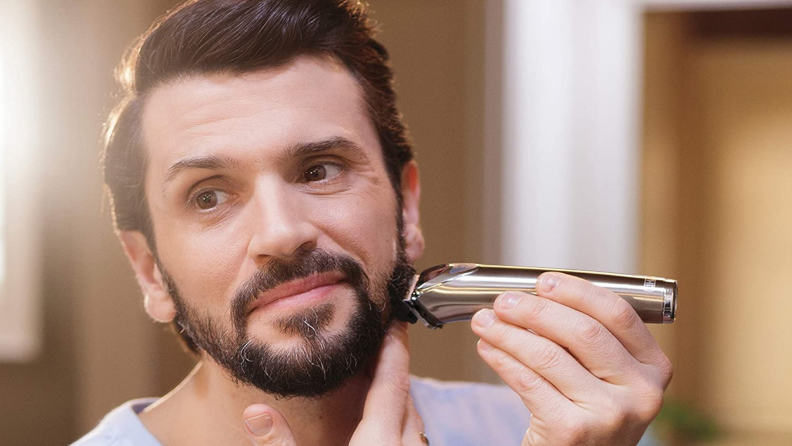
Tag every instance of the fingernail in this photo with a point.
(508, 301)
(549, 281)
(260, 425)
(485, 318)
(484, 345)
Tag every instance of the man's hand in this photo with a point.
(581, 360)
(389, 416)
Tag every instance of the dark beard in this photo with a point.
(323, 362)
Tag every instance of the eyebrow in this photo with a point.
(302, 150)
(209, 162)
(214, 162)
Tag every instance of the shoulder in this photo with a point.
(463, 413)
(121, 427)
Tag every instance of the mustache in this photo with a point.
(279, 271)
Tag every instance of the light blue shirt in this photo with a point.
(454, 414)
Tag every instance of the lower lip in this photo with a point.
(307, 298)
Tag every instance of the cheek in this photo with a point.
(205, 265)
(363, 225)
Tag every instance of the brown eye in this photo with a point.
(315, 173)
(206, 200)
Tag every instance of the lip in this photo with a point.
(315, 286)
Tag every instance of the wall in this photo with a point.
(718, 211)
(437, 52)
(571, 76)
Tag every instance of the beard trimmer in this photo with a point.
(456, 291)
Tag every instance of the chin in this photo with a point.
(301, 361)
(322, 319)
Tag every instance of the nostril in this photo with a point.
(282, 239)
(307, 246)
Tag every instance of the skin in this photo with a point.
(266, 209)
(589, 370)
(606, 393)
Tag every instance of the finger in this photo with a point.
(386, 402)
(541, 355)
(266, 426)
(610, 310)
(586, 338)
(541, 398)
(413, 425)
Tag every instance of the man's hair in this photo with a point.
(242, 36)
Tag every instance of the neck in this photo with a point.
(206, 409)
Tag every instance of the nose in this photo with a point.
(281, 224)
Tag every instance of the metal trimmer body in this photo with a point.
(456, 291)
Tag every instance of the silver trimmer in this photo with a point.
(456, 291)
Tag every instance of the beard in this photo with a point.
(323, 361)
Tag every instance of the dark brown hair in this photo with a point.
(240, 36)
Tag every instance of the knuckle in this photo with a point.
(601, 296)
(589, 332)
(646, 400)
(657, 398)
(548, 356)
(576, 433)
(531, 438)
(624, 315)
(535, 308)
(652, 403)
(509, 336)
(585, 289)
(501, 362)
(661, 368)
(614, 418)
(666, 370)
(528, 382)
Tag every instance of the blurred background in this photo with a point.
(649, 137)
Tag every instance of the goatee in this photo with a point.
(324, 360)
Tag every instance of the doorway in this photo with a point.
(717, 211)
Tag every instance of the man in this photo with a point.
(266, 196)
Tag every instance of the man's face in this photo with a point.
(256, 183)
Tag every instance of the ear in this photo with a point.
(411, 197)
(158, 302)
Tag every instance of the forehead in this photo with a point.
(250, 115)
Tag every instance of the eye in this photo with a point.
(210, 199)
(320, 172)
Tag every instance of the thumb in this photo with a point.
(265, 426)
